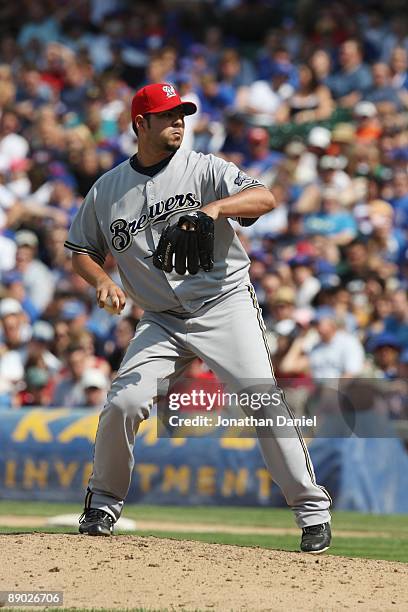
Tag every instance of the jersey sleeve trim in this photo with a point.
(84, 251)
(255, 184)
(246, 221)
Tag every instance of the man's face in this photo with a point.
(123, 333)
(77, 363)
(283, 310)
(401, 184)
(349, 54)
(24, 255)
(381, 74)
(399, 60)
(165, 130)
(300, 274)
(400, 304)
(356, 255)
(326, 329)
(386, 356)
(12, 329)
(16, 290)
(270, 284)
(95, 396)
(31, 80)
(9, 123)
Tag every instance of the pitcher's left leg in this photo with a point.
(230, 337)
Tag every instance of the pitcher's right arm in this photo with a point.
(96, 276)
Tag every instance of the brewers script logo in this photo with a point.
(122, 231)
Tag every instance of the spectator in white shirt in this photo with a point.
(14, 333)
(338, 354)
(38, 279)
(95, 385)
(264, 99)
(13, 147)
(70, 391)
(307, 285)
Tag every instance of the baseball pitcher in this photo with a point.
(164, 215)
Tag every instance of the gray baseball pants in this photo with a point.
(229, 335)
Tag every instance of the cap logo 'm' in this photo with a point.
(169, 91)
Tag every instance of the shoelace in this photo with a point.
(94, 514)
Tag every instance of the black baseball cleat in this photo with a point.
(316, 538)
(96, 522)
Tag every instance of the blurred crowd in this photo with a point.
(310, 97)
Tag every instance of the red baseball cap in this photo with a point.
(157, 98)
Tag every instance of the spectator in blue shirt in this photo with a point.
(353, 80)
(386, 242)
(215, 97)
(400, 200)
(333, 220)
(63, 196)
(14, 285)
(397, 322)
(73, 93)
(382, 89)
(399, 68)
(32, 92)
(260, 159)
(385, 348)
(38, 27)
(235, 147)
(269, 61)
(235, 70)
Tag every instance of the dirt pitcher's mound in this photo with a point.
(162, 574)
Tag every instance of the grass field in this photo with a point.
(376, 536)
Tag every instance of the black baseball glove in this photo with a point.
(192, 248)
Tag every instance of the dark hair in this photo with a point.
(29, 66)
(314, 82)
(371, 275)
(356, 242)
(356, 42)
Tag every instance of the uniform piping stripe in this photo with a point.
(299, 434)
(84, 251)
(262, 326)
(71, 245)
(88, 498)
(78, 246)
(88, 491)
(252, 186)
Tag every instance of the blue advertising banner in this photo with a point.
(46, 454)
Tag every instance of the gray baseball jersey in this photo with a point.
(126, 211)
